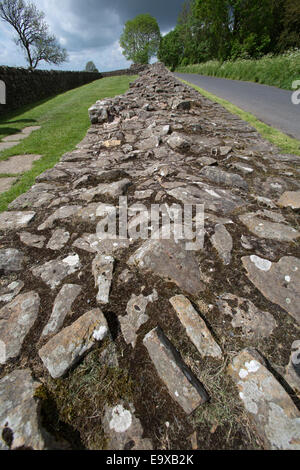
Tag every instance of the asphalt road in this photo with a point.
(269, 104)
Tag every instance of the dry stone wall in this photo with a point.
(186, 344)
(25, 86)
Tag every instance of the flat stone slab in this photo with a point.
(245, 315)
(113, 190)
(14, 138)
(11, 260)
(214, 199)
(170, 261)
(58, 240)
(102, 270)
(30, 239)
(18, 164)
(222, 242)
(292, 375)
(121, 427)
(16, 320)
(195, 327)
(136, 316)
(10, 291)
(271, 410)
(182, 385)
(54, 272)
(278, 282)
(61, 308)
(7, 145)
(34, 198)
(218, 176)
(20, 411)
(290, 199)
(15, 220)
(94, 244)
(63, 212)
(68, 346)
(6, 183)
(266, 229)
(29, 129)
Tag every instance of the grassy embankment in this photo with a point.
(64, 122)
(279, 71)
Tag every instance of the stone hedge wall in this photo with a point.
(24, 86)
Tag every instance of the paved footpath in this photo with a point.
(269, 104)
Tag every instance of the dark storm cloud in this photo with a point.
(165, 11)
(92, 28)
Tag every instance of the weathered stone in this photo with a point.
(170, 261)
(15, 220)
(246, 170)
(143, 194)
(16, 320)
(222, 242)
(182, 385)
(136, 316)
(290, 199)
(278, 282)
(20, 411)
(68, 346)
(214, 199)
(102, 270)
(61, 308)
(54, 272)
(113, 190)
(292, 375)
(53, 174)
(32, 199)
(254, 322)
(9, 292)
(30, 239)
(58, 240)
(122, 428)
(148, 144)
(218, 176)
(176, 142)
(111, 143)
(224, 151)
(272, 230)
(272, 411)
(11, 260)
(195, 327)
(64, 212)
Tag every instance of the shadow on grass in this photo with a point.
(8, 131)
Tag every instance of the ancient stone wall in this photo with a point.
(144, 343)
(134, 69)
(24, 86)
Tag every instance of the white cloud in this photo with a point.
(89, 30)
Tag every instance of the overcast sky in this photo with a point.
(90, 29)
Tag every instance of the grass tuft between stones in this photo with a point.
(80, 398)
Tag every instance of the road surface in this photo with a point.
(269, 104)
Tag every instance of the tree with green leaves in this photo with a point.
(171, 49)
(140, 39)
(290, 35)
(32, 33)
(91, 67)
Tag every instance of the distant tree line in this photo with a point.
(231, 29)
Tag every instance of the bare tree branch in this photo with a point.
(32, 33)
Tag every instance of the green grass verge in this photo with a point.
(285, 143)
(64, 122)
(279, 71)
